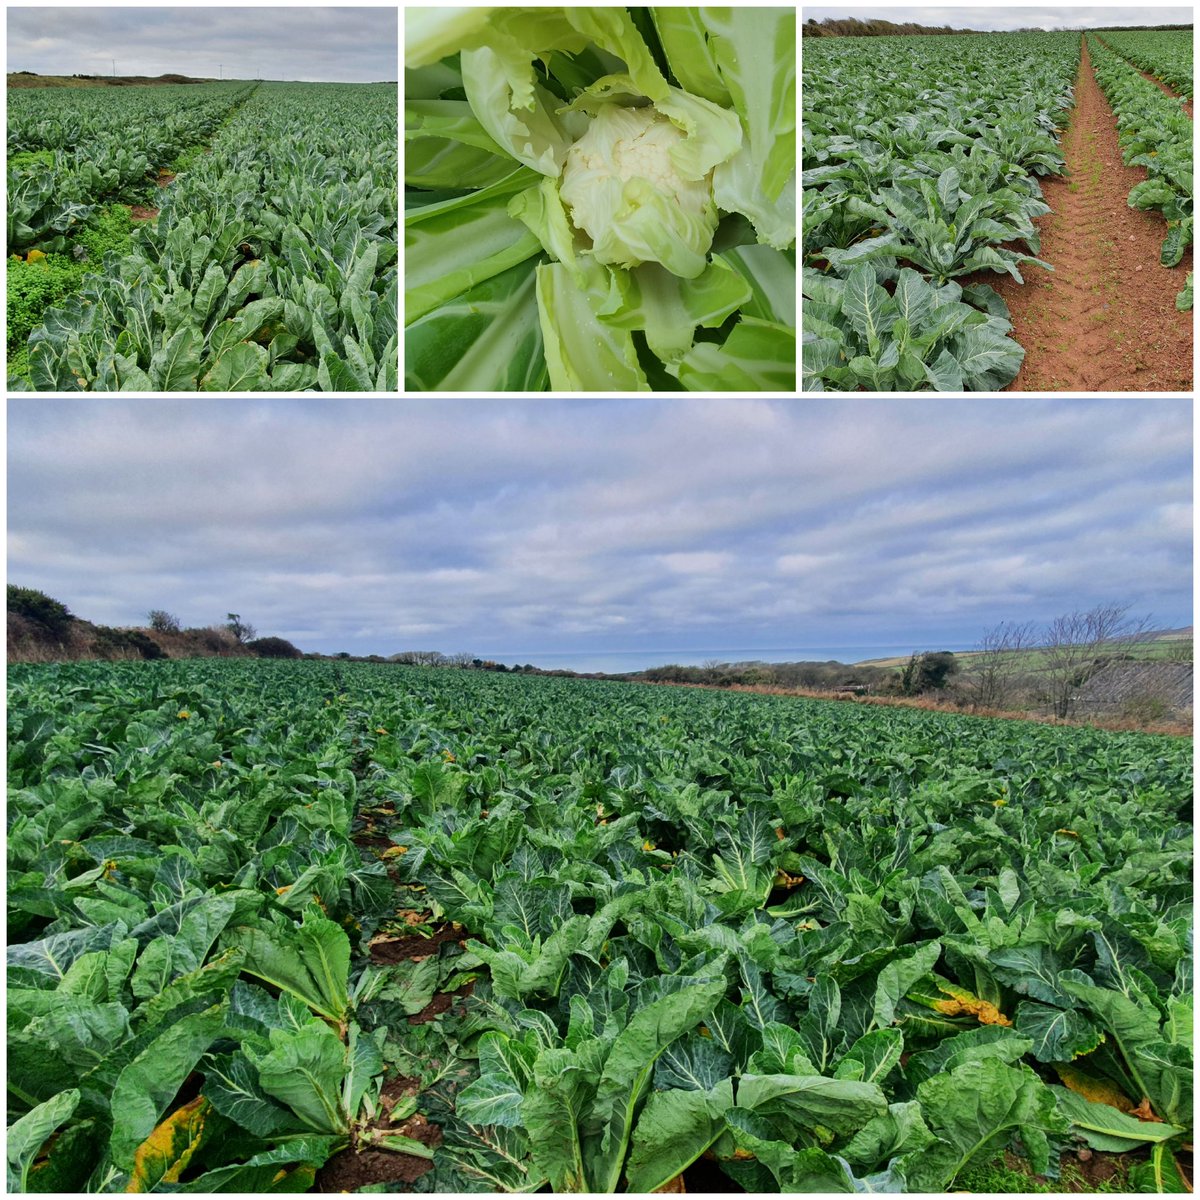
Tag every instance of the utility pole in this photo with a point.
(114, 63)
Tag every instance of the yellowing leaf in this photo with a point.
(963, 1004)
(1100, 1091)
(165, 1154)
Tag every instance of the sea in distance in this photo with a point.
(618, 662)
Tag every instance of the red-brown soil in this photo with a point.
(398, 949)
(354, 1169)
(1104, 319)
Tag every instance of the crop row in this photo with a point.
(829, 946)
(63, 157)
(921, 159)
(1156, 134)
(1167, 55)
(271, 266)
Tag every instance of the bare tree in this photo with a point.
(1073, 648)
(162, 621)
(998, 663)
(243, 631)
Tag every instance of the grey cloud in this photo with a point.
(300, 43)
(371, 525)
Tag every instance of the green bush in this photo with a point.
(273, 647)
(38, 607)
(110, 640)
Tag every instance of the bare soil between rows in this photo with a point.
(1104, 319)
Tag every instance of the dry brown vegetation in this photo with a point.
(28, 641)
(1114, 724)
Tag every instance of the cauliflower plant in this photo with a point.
(569, 171)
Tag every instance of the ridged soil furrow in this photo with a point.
(1104, 319)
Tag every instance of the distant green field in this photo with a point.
(1165, 645)
(25, 79)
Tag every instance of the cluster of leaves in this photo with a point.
(858, 335)
(923, 155)
(1154, 133)
(186, 985)
(834, 948)
(69, 151)
(1165, 54)
(518, 278)
(271, 267)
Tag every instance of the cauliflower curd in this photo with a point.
(622, 188)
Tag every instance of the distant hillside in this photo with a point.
(30, 79)
(42, 629)
(1159, 643)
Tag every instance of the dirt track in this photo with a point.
(1104, 319)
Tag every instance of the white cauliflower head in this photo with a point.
(622, 188)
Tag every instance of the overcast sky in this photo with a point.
(350, 45)
(1008, 16)
(507, 530)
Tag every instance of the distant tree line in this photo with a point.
(926, 671)
(461, 661)
(877, 27)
